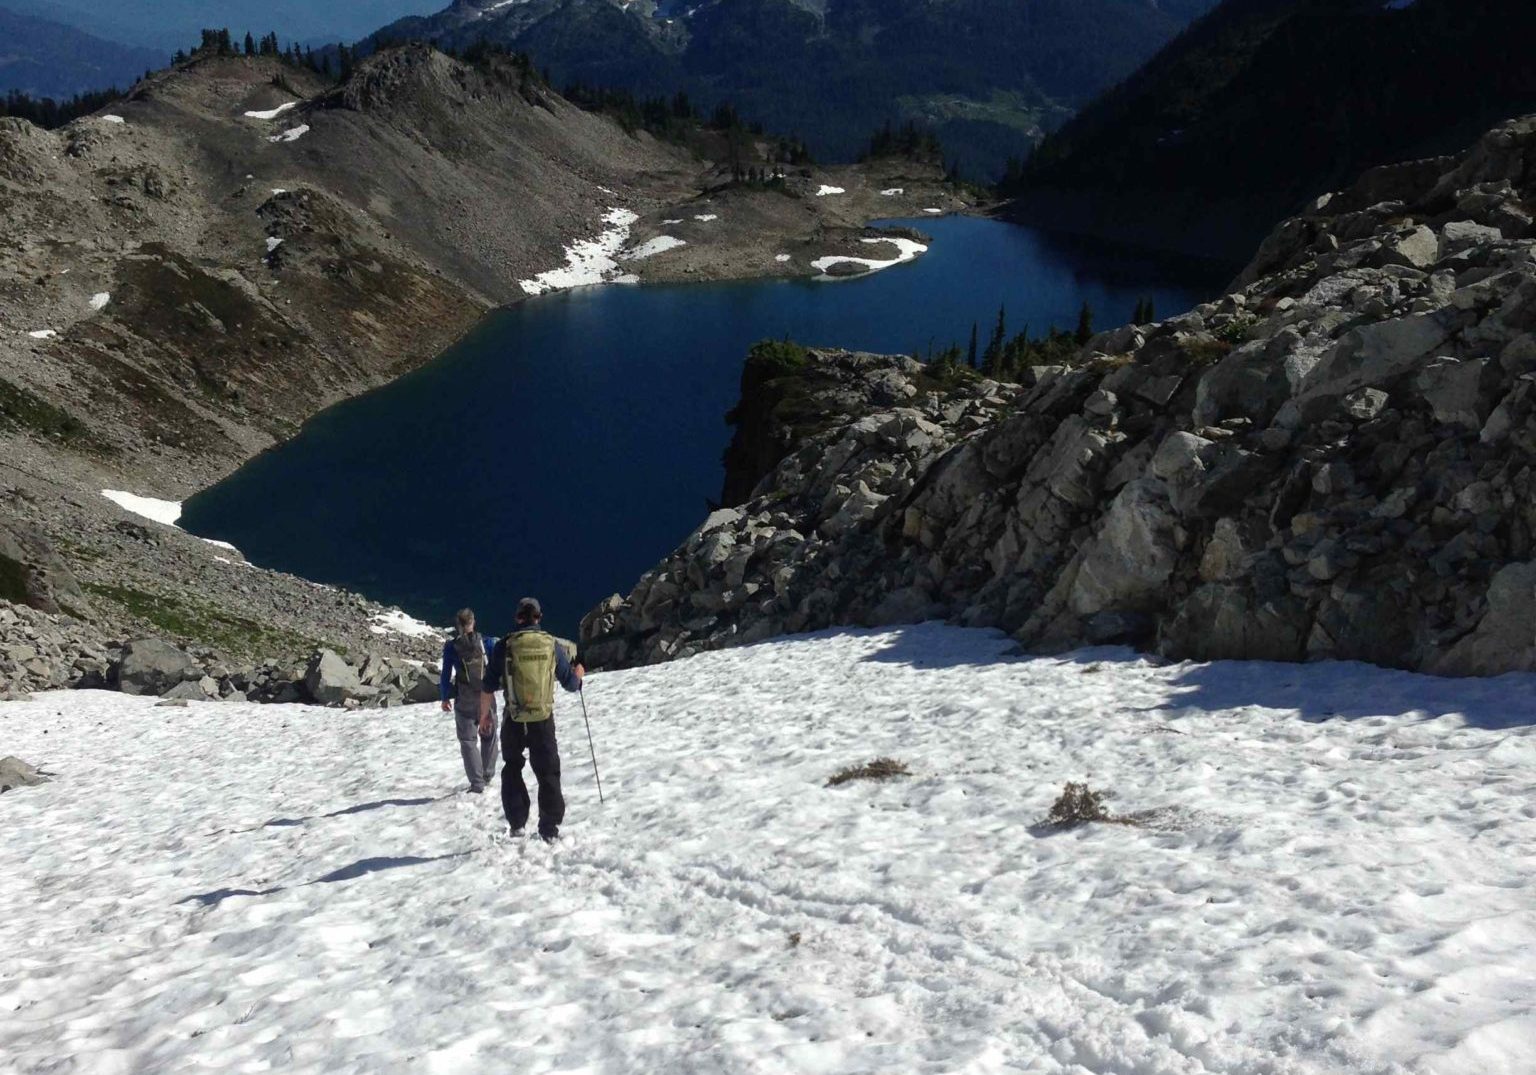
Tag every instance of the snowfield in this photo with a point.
(589, 261)
(272, 113)
(651, 247)
(147, 507)
(1332, 874)
(906, 250)
(396, 622)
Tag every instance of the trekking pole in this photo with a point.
(583, 695)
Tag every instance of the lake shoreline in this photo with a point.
(642, 449)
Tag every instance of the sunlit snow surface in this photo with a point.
(160, 511)
(273, 113)
(906, 250)
(100, 300)
(398, 623)
(828, 190)
(588, 261)
(1335, 878)
(651, 247)
(293, 134)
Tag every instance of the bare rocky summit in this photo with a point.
(1336, 460)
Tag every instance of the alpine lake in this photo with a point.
(567, 443)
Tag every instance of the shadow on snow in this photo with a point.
(1316, 691)
(360, 808)
(360, 868)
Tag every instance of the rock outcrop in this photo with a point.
(15, 773)
(40, 652)
(1336, 460)
(31, 571)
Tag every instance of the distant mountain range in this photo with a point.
(167, 25)
(990, 76)
(48, 59)
(1263, 104)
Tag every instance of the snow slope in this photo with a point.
(1336, 877)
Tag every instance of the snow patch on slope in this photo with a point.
(825, 191)
(147, 507)
(293, 134)
(906, 250)
(589, 261)
(651, 247)
(399, 623)
(109, 118)
(273, 113)
(100, 300)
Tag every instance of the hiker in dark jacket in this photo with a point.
(466, 658)
(525, 666)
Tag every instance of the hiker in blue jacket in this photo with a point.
(466, 658)
(526, 665)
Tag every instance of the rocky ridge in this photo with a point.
(40, 651)
(1335, 460)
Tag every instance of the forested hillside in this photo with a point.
(48, 59)
(990, 76)
(1265, 103)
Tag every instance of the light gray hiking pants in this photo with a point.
(479, 751)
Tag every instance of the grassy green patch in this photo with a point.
(778, 357)
(21, 410)
(13, 580)
(198, 622)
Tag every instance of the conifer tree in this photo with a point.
(250, 44)
(1084, 324)
(970, 357)
(994, 352)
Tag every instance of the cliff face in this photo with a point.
(1337, 460)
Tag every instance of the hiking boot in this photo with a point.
(549, 837)
(518, 834)
(477, 791)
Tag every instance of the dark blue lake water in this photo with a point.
(568, 443)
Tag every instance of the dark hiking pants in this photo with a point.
(478, 751)
(538, 739)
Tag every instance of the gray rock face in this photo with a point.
(15, 773)
(329, 680)
(39, 651)
(1505, 637)
(32, 573)
(1338, 460)
(154, 666)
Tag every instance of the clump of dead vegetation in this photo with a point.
(879, 769)
(1078, 804)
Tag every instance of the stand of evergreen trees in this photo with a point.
(676, 119)
(908, 141)
(1005, 357)
(50, 114)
